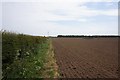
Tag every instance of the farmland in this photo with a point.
(86, 57)
(27, 56)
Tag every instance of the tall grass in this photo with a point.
(20, 52)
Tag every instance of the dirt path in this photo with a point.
(87, 58)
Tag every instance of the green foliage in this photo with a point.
(22, 54)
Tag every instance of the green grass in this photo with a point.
(23, 56)
(51, 68)
(26, 56)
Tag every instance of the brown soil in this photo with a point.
(86, 58)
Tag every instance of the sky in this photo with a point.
(60, 17)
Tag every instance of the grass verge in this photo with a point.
(51, 68)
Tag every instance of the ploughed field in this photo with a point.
(86, 57)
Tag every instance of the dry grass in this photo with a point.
(50, 67)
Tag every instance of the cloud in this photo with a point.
(39, 17)
(60, 0)
(68, 10)
(0, 16)
(72, 11)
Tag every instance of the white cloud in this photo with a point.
(60, 0)
(0, 16)
(82, 20)
(46, 8)
(45, 11)
(36, 17)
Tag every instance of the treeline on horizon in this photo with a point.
(83, 36)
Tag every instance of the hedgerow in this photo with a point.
(17, 48)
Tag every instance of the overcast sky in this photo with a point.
(69, 17)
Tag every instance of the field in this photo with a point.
(86, 57)
(27, 56)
